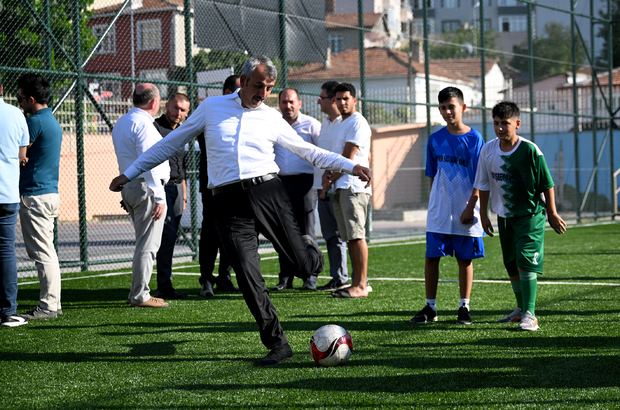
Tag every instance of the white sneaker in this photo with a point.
(13, 320)
(528, 322)
(513, 317)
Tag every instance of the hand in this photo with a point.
(557, 223)
(486, 224)
(23, 161)
(467, 217)
(184, 204)
(363, 173)
(326, 181)
(158, 211)
(117, 183)
(323, 194)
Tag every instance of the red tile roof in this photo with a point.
(603, 78)
(379, 62)
(146, 5)
(350, 20)
(469, 67)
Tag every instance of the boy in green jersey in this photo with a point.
(514, 170)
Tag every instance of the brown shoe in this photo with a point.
(152, 303)
(152, 297)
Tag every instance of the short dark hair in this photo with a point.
(35, 86)
(180, 96)
(288, 89)
(145, 97)
(330, 88)
(506, 109)
(230, 84)
(344, 87)
(450, 92)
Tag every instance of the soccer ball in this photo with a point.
(331, 345)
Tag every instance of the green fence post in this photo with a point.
(283, 54)
(575, 110)
(530, 46)
(362, 52)
(79, 133)
(427, 78)
(594, 113)
(610, 65)
(483, 71)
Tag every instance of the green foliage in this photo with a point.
(603, 33)
(200, 352)
(552, 52)
(22, 38)
(463, 35)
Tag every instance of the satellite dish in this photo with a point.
(467, 48)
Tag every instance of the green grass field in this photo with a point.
(200, 353)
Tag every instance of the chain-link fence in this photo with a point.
(95, 51)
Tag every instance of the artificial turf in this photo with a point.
(200, 352)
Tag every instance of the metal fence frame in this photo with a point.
(81, 93)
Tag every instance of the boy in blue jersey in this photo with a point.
(453, 223)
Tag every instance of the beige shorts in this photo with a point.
(351, 209)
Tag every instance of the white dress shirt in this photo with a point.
(290, 164)
(132, 135)
(355, 130)
(326, 141)
(239, 141)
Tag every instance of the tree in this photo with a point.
(603, 32)
(463, 35)
(22, 37)
(552, 52)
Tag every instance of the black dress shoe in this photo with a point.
(278, 354)
(226, 286)
(283, 284)
(206, 290)
(171, 294)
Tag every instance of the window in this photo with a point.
(507, 3)
(149, 35)
(418, 26)
(157, 75)
(487, 24)
(108, 45)
(476, 3)
(512, 23)
(450, 4)
(419, 4)
(448, 26)
(336, 44)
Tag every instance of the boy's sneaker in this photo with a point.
(39, 313)
(425, 315)
(333, 286)
(463, 317)
(528, 322)
(13, 320)
(513, 317)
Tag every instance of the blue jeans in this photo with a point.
(8, 261)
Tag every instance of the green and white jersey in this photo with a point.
(516, 178)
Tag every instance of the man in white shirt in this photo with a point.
(240, 133)
(144, 197)
(336, 247)
(351, 198)
(297, 177)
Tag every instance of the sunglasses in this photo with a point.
(20, 98)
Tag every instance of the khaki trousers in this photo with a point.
(37, 214)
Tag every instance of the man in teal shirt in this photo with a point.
(38, 188)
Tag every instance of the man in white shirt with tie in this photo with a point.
(144, 197)
(297, 176)
(240, 133)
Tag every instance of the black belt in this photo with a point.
(175, 181)
(243, 184)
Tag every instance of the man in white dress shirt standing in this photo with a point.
(144, 197)
(297, 175)
(240, 133)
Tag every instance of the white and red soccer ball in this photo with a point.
(331, 345)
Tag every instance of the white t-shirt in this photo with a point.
(308, 129)
(326, 141)
(355, 130)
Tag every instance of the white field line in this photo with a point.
(381, 245)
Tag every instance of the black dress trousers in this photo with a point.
(240, 215)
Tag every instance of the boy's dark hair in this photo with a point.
(506, 109)
(35, 86)
(450, 92)
(230, 84)
(344, 87)
(330, 88)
